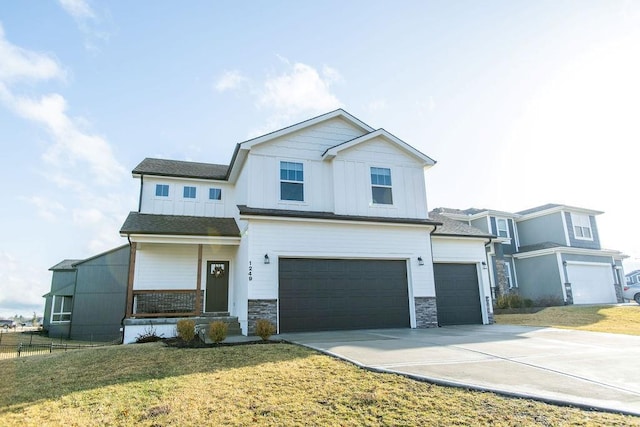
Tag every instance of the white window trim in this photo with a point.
(190, 198)
(210, 200)
(507, 269)
(371, 185)
(304, 201)
(61, 313)
(574, 225)
(506, 221)
(167, 197)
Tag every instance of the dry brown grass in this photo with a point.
(622, 319)
(276, 384)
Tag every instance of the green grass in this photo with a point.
(273, 384)
(623, 319)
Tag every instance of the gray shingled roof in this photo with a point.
(138, 223)
(451, 227)
(539, 208)
(245, 210)
(539, 246)
(182, 169)
(66, 264)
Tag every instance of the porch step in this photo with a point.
(216, 314)
(202, 326)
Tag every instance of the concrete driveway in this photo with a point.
(587, 369)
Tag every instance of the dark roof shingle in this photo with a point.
(451, 227)
(139, 223)
(179, 168)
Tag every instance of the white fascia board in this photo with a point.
(181, 178)
(332, 221)
(448, 237)
(183, 240)
(333, 151)
(569, 250)
(559, 209)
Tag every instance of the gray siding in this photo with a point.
(100, 296)
(481, 223)
(579, 243)
(507, 249)
(548, 228)
(539, 277)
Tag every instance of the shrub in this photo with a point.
(549, 301)
(502, 302)
(186, 329)
(528, 302)
(515, 301)
(148, 335)
(264, 329)
(217, 331)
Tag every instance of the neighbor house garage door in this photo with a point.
(457, 294)
(591, 284)
(334, 294)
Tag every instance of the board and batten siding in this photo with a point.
(337, 241)
(176, 204)
(547, 228)
(165, 266)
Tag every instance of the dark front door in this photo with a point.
(217, 286)
(333, 294)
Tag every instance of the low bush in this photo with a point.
(511, 301)
(549, 301)
(527, 302)
(217, 331)
(515, 301)
(149, 335)
(264, 329)
(186, 329)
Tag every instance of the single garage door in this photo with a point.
(338, 294)
(591, 284)
(457, 294)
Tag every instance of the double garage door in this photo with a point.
(339, 294)
(591, 284)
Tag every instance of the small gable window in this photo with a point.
(502, 226)
(215, 194)
(381, 186)
(162, 190)
(189, 192)
(291, 181)
(582, 226)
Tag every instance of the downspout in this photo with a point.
(126, 296)
(139, 199)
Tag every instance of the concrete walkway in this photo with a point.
(586, 369)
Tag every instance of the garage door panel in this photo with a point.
(326, 294)
(591, 284)
(457, 294)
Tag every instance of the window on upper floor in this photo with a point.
(502, 225)
(582, 226)
(61, 308)
(381, 193)
(189, 192)
(291, 181)
(215, 194)
(162, 190)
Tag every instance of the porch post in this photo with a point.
(199, 283)
(132, 269)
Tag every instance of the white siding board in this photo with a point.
(163, 266)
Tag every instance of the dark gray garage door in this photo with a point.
(457, 294)
(334, 294)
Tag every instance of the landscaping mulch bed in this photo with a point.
(196, 343)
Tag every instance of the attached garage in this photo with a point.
(457, 294)
(591, 283)
(341, 294)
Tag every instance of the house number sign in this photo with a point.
(250, 272)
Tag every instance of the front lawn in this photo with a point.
(619, 319)
(273, 384)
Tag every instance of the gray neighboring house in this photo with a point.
(551, 252)
(87, 297)
(633, 278)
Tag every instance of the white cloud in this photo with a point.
(21, 286)
(20, 64)
(79, 9)
(377, 105)
(46, 208)
(230, 80)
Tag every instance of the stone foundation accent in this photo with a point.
(262, 309)
(165, 302)
(567, 288)
(502, 284)
(426, 312)
(490, 317)
(618, 288)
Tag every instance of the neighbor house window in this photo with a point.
(61, 308)
(215, 194)
(381, 186)
(507, 274)
(291, 181)
(189, 192)
(582, 226)
(162, 190)
(503, 227)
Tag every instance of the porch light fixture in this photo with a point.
(484, 265)
(420, 261)
(564, 263)
(266, 259)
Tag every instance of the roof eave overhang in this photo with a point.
(555, 209)
(460, 236)
(338, 220)
(570, 250)
(181, 239)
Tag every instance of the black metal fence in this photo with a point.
(11, 351)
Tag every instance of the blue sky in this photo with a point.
(521, 103)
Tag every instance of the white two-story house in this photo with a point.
(321, 225)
